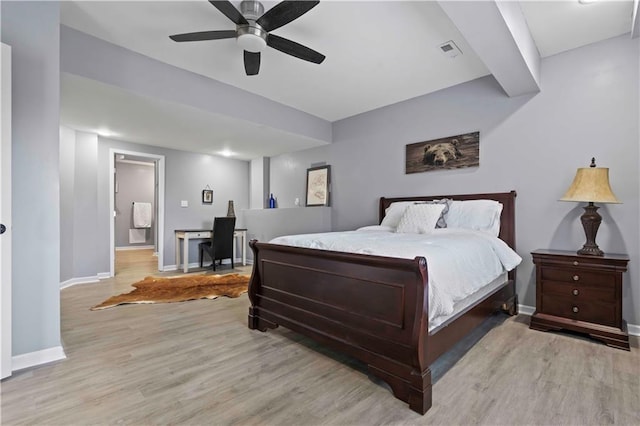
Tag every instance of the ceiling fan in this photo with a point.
(253, 30)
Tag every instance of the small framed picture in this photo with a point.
(207, 196)
(318, 186)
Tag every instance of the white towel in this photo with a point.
(137, 236)
(141, 215)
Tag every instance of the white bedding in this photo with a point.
(459, 261)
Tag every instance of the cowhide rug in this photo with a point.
(180, 289)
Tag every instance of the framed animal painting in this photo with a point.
(452, 152)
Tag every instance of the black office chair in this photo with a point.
(221, 244)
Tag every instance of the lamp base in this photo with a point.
(591, 220)
(590, 251)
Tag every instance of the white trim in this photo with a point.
(139, 163)
(526, 310)
(5, 211)
(160, 160)
(634, 330)
(84, 280)
(32, 359)
(174, 268)
(237, 262)
(635, 20)
(123, 248)
(79, 280)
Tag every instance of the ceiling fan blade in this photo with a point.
(251, 62)
(230, 11)
(294, 49)
(204, 35)
(283, 13)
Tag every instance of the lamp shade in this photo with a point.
(591, 184)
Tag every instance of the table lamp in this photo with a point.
(591, 185)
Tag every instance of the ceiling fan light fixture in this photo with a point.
(251, 42)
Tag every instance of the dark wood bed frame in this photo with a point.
(370, 307)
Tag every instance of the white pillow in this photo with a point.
(420, 218)
(478, 215)
(394, 212)
(442, 220)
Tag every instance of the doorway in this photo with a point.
(157, 205)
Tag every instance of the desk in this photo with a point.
(191, 234)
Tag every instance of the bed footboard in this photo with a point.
(370, 307)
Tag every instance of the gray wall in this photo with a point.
(67, 184)
(289, 176)
(32, 30)
(186, 175)
(259, 183)
(85, 205)
(588, 106)
(78, 204)
(266, 224)
(136, 183)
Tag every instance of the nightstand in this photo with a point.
(581, 294)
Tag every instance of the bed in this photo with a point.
(374, 308)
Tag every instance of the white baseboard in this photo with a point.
(80, 280)
(84, 280)
(238, 261)
(134, 248)
(634, 330)
(31, 359)
(526, 310)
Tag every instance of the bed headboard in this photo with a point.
(507, 219)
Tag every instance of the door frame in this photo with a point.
(6, 366)
(160, 164)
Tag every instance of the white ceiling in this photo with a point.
(378, 53)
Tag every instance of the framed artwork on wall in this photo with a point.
(207, 196)
(452, 152)
(318, 186)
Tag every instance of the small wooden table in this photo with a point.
(191, 234)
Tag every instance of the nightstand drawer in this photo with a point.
(600, 313)
(580, 276)
(580, 291)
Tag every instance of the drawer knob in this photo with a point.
(575, 309)
(575, 292)
(576, 277)
(576, 263)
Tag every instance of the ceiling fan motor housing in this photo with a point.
(252, 37)
(251, 9)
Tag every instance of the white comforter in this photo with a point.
(459, 261)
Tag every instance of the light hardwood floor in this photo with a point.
(198, 363)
